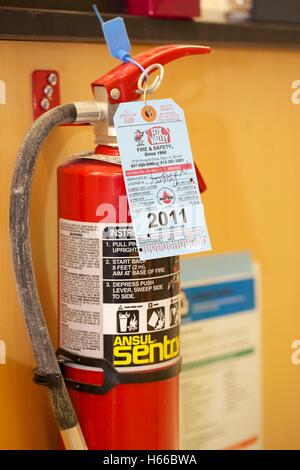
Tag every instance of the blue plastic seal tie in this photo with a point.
(117, 39)
(135, 62)
(97, 13)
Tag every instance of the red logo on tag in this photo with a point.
(166, 196)
(158, 135)
(138, 135)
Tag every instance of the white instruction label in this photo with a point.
(112, 304)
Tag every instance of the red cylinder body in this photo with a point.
(129, 416)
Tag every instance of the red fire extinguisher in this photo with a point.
(119, 316)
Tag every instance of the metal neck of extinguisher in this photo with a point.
(121, 84)
(105, 133)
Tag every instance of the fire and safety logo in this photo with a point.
(158, 135)
(166, 196)
(138, 137)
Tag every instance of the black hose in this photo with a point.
(47, 365)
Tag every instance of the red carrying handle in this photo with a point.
(125, 76)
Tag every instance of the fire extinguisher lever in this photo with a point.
(121, 82)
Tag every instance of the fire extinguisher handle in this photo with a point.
(124, 77)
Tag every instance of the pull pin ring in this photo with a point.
(148, 112)
(153, 87)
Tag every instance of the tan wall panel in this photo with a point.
(243, 129)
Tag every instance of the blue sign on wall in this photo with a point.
(219, 299)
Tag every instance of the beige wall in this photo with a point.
(243, 129)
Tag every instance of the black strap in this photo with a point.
(112, 377)
(41, 377)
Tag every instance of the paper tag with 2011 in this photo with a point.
(162, 188)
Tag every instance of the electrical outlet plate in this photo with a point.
(2, 352)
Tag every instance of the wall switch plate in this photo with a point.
(2, 352)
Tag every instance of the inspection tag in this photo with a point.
(162, 188)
